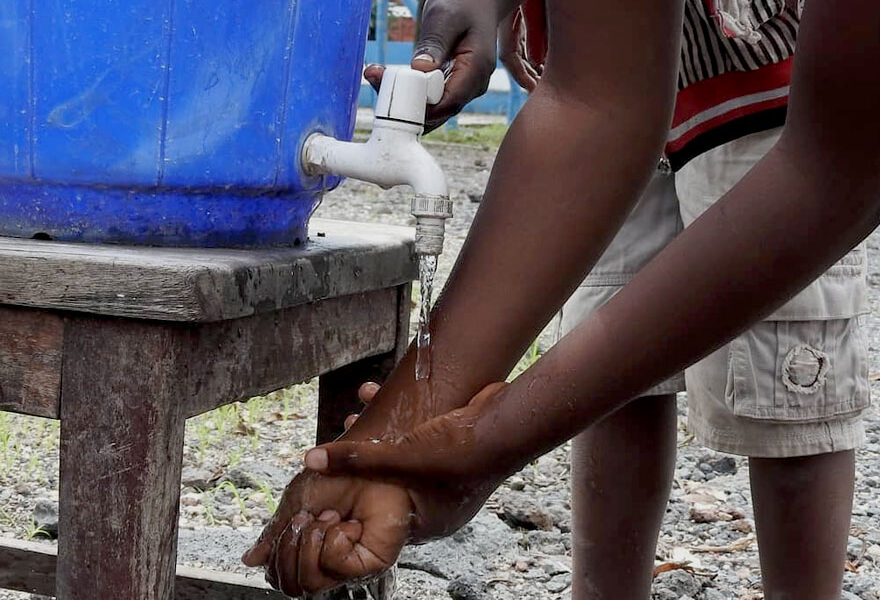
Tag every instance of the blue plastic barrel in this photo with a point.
(171, 122)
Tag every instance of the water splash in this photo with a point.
(427, 270)
(382, 587)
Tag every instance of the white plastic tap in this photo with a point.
(405, 93)
(394, 155)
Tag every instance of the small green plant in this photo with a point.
(530, 357)
(271, 502)
(32, 465)
(32, 530)
(228, 485)
(234, 456)
(208, 504)
(475, 135)
(5, 517)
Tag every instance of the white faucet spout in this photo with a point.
(389, 158)
(394, 155)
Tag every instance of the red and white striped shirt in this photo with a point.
(734, 76)
(735, 69)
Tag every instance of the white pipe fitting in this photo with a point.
(393, 155)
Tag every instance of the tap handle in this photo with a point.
(436, 83)
(405, 92)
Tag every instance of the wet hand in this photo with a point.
(442, 464)
(329, 530)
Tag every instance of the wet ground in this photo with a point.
(238, 459)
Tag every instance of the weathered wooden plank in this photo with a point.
(30, 361)
(180, 284)
(245, 357)
(337, 390)
(30, 567)
(121, 454)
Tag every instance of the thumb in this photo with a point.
(440, 29)
(382, 459)
(435, 446)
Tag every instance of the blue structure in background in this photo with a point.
(385, 52)
(171, 123)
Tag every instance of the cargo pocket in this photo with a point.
(799, 371)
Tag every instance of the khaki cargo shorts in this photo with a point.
(793, 385)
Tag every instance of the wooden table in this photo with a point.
(124, 344)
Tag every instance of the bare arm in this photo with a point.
(569, 171)
(810, 200)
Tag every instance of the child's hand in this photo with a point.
(328, 530)
(440, 463)
(513, 53)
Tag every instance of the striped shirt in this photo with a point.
(734, 74)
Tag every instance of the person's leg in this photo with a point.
(621, 474)
(802, 514)
(621, 468)
(788, 393)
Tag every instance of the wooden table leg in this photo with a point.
(337, 390)
(121, 454)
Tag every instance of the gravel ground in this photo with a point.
(237, 460)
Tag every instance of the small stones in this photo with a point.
(256, 474)
(190, 499)
(559, 583)
(197, 477)
(710, 594)
(676, 584)
(742, 526)
(46, 518)
(465, 588)
(725, 465)
(521, 512)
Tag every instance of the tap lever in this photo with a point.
(405, 92)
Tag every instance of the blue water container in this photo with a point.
(171, 122)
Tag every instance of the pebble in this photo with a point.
(196, 477)
(559, 583)
(465, 588)
(46, 517)
(521, 511)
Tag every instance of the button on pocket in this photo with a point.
(799, 371)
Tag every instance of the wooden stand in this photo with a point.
(123, 344)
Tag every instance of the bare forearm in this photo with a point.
(812, 198)
(767, 239)
(568, 173)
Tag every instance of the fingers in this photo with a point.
(373, 74)
(345, 557)
(349, 421)
(522, 72)
(259, 554)
(261, 551)
(311, 578)
(281, 572)
(512, 48)
(431, 447)
(452, 31)
(368, 391)
(441, 27)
